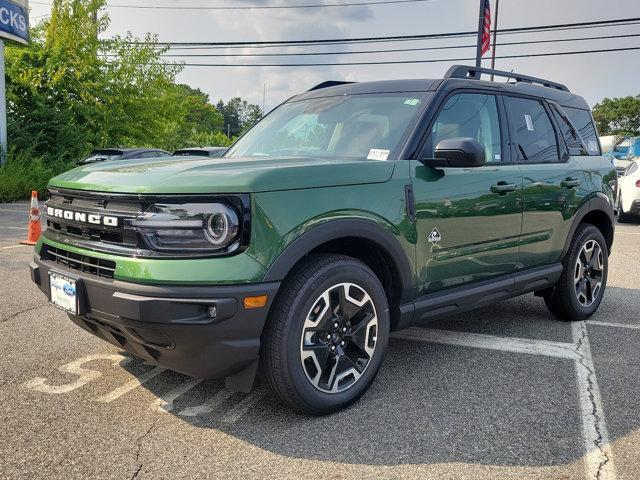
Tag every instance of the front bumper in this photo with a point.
(170, 325)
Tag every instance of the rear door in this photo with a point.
(468, 219)
(553, 180)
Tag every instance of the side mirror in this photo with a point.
(457, 152)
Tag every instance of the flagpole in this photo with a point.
(495, 34)
(480, 30)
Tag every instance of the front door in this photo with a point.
(468, 219)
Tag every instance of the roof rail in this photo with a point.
(328, 83)
(474, 73)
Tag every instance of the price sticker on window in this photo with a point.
(376, 154)
(529, 121)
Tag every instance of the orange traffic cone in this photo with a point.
(35, 229)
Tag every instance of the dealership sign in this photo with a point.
(14, 20)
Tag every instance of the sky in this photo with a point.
(594, 76)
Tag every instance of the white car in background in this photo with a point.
(629, 192)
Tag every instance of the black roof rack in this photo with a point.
(464, 71)
(328, 83)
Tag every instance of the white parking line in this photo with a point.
(599, 456)
(165, 403)
(208, 406)
(236, 413)
(599, 459)
(131, 385)
(14, 228)
(617, 325)
(15, 246)
(479, 340)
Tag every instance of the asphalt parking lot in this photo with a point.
(504, 392)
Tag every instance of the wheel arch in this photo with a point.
(364, 240)
(597, 211)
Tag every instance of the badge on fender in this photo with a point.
(434, 236)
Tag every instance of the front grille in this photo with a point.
(87, 203)
(82, 263)
(102, 221)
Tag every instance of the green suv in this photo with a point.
(350, 211)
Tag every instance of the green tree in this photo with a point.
(70, 91)
(618, 116)
(199, 122)
(239, 115)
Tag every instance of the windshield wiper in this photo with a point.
(524, 155)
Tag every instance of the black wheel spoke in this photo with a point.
(347, 308)
(321, 353)
(358, 331)
(328, 375)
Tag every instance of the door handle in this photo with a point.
(570, 182)
(502, 188)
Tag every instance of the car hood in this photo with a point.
(222, 175)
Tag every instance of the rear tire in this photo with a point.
(309, 363)
(579, 291)
(623, 217)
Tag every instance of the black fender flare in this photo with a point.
(347, 228)
(597, 203)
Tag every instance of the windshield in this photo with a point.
(356, 126)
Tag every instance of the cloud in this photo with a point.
(266, 25)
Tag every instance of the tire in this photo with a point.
(318, 294)
(623, 217)
(577, 295)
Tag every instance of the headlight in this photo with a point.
(190, 227)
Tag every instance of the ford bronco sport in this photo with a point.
(350, 211)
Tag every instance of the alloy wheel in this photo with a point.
(588, 274)
(339, 337)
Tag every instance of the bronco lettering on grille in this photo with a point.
(91, 218)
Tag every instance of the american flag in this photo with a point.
(486, 28)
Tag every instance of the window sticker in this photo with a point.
(527, 118)
(593, 146)
(376, 154)
(496, 156)
(412, 101)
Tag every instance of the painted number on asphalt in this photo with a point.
(165, 403)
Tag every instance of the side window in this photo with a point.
(534, 135)
(470, 115)
(575, 144)
(582, 120)
(632, 168)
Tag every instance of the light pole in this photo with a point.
(480, 33)
(3, 108)
(495, 34)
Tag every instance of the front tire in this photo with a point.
(579, 291)
(326, 335)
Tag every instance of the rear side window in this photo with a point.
(534, 134)
(575, 143)
(581, 119)
(632, 169)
